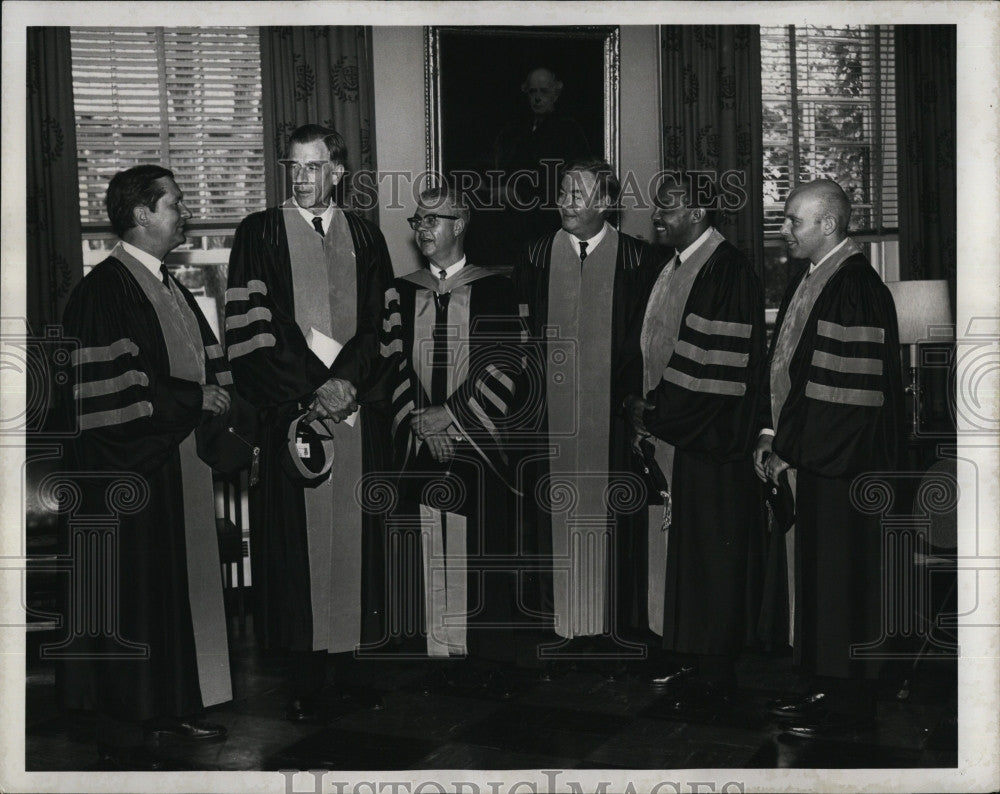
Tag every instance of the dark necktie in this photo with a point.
(442, 274)
(439, 354)
(677, 261)
(163, 275)
(583, 251)
(318, 225)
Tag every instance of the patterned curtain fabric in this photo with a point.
(712, 117)
(318, 75)
(55, 257)
(925, 117)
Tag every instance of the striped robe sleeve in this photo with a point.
(271, 362)
(485, 401)
(842, 414)
(707, 391)
(395, 374)
(130, 416)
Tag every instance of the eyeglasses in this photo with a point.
(428, 221)
(310, 167)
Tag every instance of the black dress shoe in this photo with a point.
(132, 759)
(823, 723)
(798, 707)
(191, 729)
(670, 676)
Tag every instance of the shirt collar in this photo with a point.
(326, 215)
(150, 262)
(831, 252)
(449, 271)
(592, 242)
(686, 253)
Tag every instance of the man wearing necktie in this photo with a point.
(834, 412)
(702, 344)
(149, 374)
(581, 287)
(304, 278)
(451, 352)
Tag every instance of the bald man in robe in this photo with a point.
(835, 410)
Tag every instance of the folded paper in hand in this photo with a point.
(327, 350)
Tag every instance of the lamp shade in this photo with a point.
(922, 310)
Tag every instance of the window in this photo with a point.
(188, 99)
(829, 110)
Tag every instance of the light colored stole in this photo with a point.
(443, 533)
(789, 336)
(324, 281)
(661, 328)
(424, 316)
(186, 354)
(446, 602)
(580, 307)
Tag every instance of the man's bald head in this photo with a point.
(829, 200)
(817, 215)
(542, 86)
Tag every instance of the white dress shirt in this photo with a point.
(592, 243)
(326, 215)
(150, 262)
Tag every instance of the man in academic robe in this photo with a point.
(147, 373)
(581, 288)
(304, 278)
(703, 349)
(450, 348)
(835, 408)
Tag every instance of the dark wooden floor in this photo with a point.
(579, 720)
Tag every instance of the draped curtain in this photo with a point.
(55, 257)
(711, 105)
(318, 75)
(925, 117)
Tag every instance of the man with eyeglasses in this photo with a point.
(304, 278)
(451, 347)
(581, 287)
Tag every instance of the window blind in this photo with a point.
(186, 98)
(829, 110)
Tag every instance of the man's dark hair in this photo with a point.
(604, 175)
(334, 141)
(697, 189)
(131, 188)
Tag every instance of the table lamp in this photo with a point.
(923, 312)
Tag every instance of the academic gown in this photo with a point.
(141, 511)
(635, 268)
(276, 371)
(836, 410)
(710, 363)
(464, 508)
